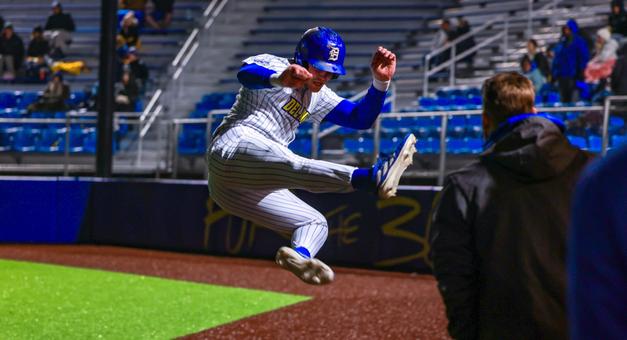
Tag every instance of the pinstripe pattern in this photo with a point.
(249, 176)
(251, 169)
(263, 109)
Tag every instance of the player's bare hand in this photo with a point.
(294, 76)
(383, 64)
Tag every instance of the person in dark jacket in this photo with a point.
(54, 98)
(538, 59)
(161, 16)
(127, 94)
(619, 73)
(618, 18)
(571, 57)
(58, 30)
(462, 28)
(499, 225)
(11, 52)
(597, 251)
(36, 54)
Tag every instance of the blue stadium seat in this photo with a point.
(26, 98)
(473, 92)
(76, 98)
(578, 141)
(192, 142)
(456, 126)
(595, 143)
(427, 127)
(305, 129)
(6, 139)
(428, 145)
(52, 140)
(616, 125)
(427, 103)
(90, 142)
(359, 145)
(474, 129)
(7, 100)
(25, 139)
(388, 145)
(301, 146)
(474, 145)
(456, 146)
(394, 126)
(618, 140)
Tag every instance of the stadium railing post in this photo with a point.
(442, 166)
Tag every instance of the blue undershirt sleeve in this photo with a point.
(254, 77)
(360, 115)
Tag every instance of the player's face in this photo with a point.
(319, 79)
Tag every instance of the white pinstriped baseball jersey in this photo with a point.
(277, 112)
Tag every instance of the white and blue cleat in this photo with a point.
(389, 168)
(309, 270)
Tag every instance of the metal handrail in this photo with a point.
(444, 115)
(453, 45)
(180, 61)
(606, 120)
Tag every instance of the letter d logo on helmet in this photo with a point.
(322, 48)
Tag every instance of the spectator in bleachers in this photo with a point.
(463, 27)
(538, 58)
(444, 35)
(129, 30)
(600, 67)
(36, 54)
(54, 97)
(58, 30)
(138, 70)
(161, 15)
(571, 58)
(618, 18)
(11, 52)
(619, 74)
(127, 94)
(137, 6)
(499, 224)
(532, 73)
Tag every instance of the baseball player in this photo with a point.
(251, 169)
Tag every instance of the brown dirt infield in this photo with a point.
(360, 304)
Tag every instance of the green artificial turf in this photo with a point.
(55, 302)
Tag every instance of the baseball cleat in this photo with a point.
(389, 169)
(311, 271)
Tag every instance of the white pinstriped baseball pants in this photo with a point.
(249, 176)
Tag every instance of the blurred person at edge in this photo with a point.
(499, 224)
(617, 19)
(597, 251)
(571, 56)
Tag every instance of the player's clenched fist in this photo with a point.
(383, 64)
(294, 76)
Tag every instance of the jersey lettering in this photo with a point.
(296, 110)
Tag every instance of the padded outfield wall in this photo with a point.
(180, 215)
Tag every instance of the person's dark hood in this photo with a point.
(533, 147)
(618, 3)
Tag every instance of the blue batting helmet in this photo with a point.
(322, 48)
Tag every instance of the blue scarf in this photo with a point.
(508, 125)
